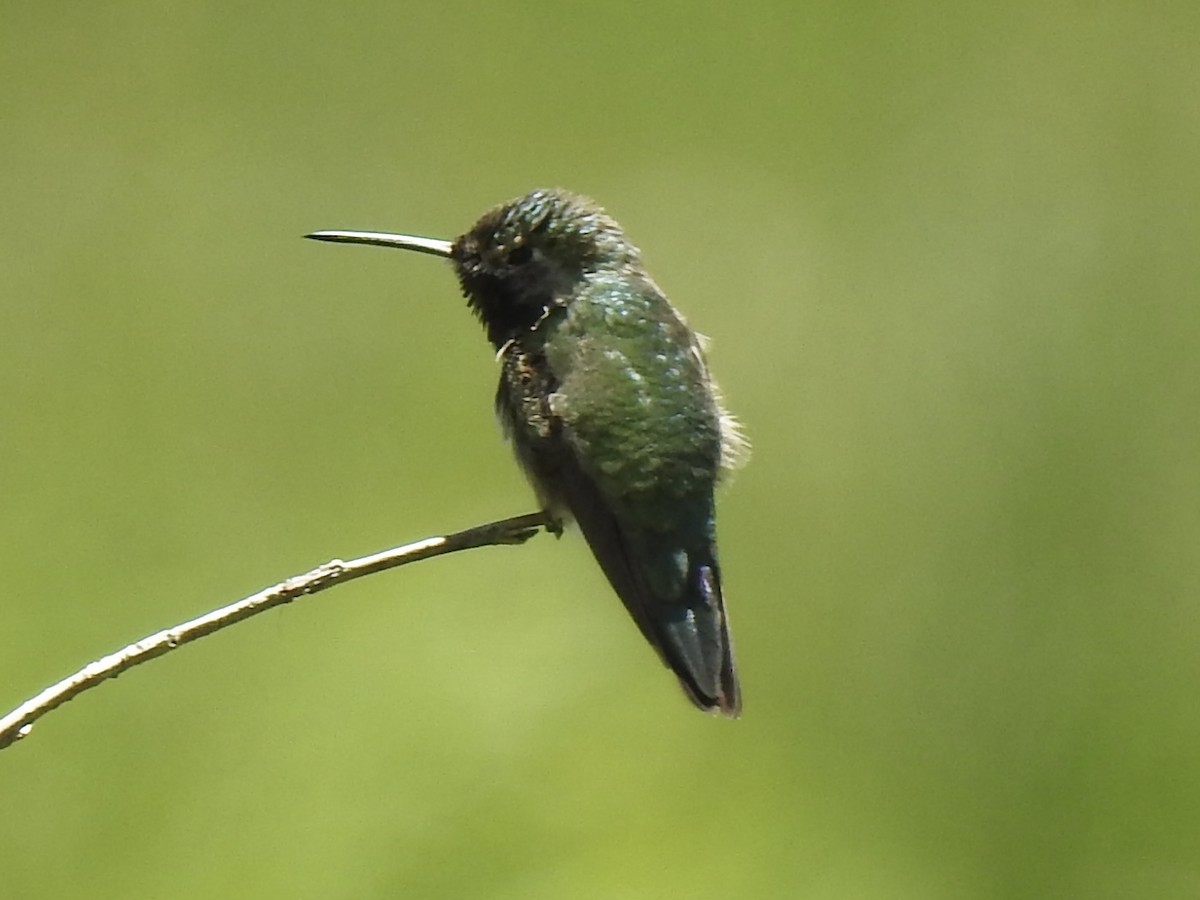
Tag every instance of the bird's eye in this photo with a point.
(518, 256)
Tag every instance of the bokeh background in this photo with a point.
(948, 254)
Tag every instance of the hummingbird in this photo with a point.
(607, 400)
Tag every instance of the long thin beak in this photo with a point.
(382, 239)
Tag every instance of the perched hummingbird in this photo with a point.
(606, 397)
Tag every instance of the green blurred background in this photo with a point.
(949, 257)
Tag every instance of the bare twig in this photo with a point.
(18, 723)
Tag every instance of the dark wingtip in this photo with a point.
(731, 700)
(693, 639)
(727, 703)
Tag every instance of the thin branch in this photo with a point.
(18, 723)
